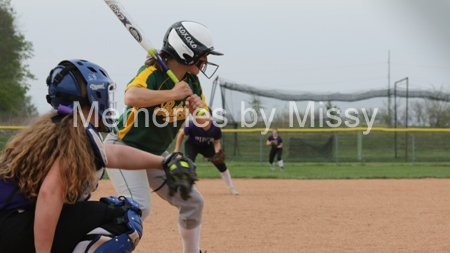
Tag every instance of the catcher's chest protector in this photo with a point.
(100, 160)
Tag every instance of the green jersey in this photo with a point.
(153, 128)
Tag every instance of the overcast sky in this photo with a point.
(314, 46)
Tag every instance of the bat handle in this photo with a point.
(169, 72)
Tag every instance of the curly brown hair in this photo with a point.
(28, 157)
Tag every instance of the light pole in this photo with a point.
(406, 123)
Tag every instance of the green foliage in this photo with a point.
(256, 104)
(437, 113)
(334, 112)
(14, 50)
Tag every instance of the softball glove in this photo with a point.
(180, 174)
(274, 143)
(218, 158)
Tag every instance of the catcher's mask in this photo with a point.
(64, 88)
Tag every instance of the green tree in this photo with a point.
(14, 73)
(256, 104)
(329, 106)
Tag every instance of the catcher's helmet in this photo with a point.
(64, 88)
(187, 42)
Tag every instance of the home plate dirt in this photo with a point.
(271, 215)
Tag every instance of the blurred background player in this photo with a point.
(204, 137)
(276, 143)
(156, 109)
(48, 170)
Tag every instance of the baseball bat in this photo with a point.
(138, 34)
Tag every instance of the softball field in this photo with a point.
(272, 215)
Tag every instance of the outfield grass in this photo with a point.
(432, 159)
(376, 147)
(329, 170)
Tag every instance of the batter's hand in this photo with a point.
(194, 102)
(181, 90)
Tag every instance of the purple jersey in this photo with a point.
(10, 195)
(278, 139)
(18, 200)
(198, 136)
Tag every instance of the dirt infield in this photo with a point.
(270, 215)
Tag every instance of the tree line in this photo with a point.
(14, 72)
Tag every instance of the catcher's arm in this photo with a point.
(129, 158)
(49, 204)
(268, 143)
(179, 140)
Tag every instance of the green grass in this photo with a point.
(376, 147)
(329, 170)
(432, 158)
(5, 135)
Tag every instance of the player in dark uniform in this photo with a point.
(276, 143)
(204, 139)
(48, 170)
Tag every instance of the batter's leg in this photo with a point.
(189, 212)
(132, 184)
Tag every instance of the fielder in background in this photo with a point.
(48, 170)
(204, 137)
(156, 109)
(276, 144)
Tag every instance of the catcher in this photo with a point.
(48, 171)
(201, 134)
(276, 143)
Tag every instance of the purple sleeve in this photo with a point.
(270, 138)
(187, 129)
(218, 134)
(281, 140)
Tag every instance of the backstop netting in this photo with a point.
(309, 111)
(237, 99)
(341, 145)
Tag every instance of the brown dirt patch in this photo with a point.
(271, 215)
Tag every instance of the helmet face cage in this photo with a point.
(187, 42)
(207, 68)
(100, 89)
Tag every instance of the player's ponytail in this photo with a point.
(152, 61)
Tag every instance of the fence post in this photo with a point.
(260, 148)
(359, 146)
(413, 153)
(337, 148)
